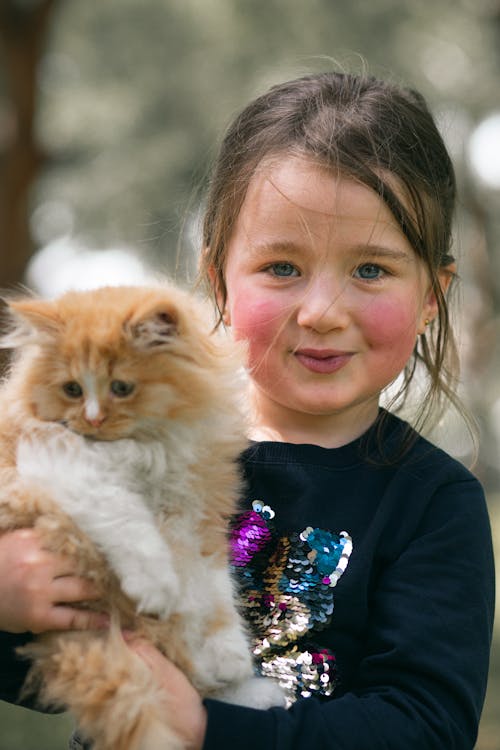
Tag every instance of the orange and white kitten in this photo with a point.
(119, 437)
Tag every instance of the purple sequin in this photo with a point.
(249, 536)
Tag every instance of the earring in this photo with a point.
(226, 319)
(426, 323)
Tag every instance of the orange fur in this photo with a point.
(158, 339)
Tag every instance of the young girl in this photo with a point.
(363, 551)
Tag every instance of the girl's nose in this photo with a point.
(324, 306)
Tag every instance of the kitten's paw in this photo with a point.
(255, 692)
(224, 659)
(152, 595)
(231, 668)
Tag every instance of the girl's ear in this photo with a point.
(446, 275)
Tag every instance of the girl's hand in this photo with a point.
(183, 704)
(37, 588)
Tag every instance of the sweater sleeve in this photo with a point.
(422, 678)
(13, 669)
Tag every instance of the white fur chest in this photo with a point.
(114, 492)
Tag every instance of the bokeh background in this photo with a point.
(110, 114)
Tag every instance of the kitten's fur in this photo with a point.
(137, 488)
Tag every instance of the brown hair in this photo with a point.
(377, 133)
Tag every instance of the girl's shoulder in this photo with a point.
(423, 458)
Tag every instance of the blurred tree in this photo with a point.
(134, 95)
(23, 26)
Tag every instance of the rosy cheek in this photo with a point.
(391, 323)
(259, 320)
(258, 323)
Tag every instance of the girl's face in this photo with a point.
(330, 297)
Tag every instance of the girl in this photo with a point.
(363, 551)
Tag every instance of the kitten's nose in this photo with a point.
(95, 421)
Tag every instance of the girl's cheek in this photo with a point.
(258, 324)
(256, 321)
(392, 323)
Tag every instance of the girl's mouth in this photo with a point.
(322, 361)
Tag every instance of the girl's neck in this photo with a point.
(275, 424)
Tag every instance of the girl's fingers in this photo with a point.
(166, 674)
(69, 618)
(66, 590)
(164, 671)
(40, 588)
(70, 588)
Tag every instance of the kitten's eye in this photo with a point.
(72, 389)
(121, 389)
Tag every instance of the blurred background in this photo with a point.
(110, 114)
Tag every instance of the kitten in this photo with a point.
(119, 437)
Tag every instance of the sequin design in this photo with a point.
(287, 586)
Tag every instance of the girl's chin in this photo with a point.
(320, 407)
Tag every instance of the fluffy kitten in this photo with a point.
(119, 435)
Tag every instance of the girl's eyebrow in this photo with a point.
(274, 248)
(381, 251)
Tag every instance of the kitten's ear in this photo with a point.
(31, 320)
(154, 330)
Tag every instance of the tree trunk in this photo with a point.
(23, 28)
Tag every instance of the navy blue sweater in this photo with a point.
(395, 654)
(369, 589)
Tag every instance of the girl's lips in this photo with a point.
(322, 361)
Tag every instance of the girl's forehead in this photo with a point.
(294, 189)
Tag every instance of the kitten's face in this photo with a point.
(93, 392)
(112, 362)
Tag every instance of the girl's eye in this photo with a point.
(282, 269)
(121, 388)
(369, 272)
(73, 389)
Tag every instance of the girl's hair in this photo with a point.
(376, 133)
